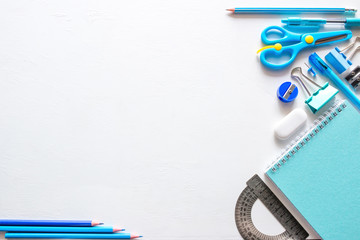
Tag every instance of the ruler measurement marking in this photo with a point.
(257, 189)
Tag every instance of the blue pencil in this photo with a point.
(62, 223)
(96, 229)
(73, 235)
(290, 10)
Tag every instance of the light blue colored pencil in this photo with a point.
(73, 235)
(96, 229)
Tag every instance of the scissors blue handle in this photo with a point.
(291, 51)
(285, 35)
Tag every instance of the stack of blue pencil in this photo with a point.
(69, 229)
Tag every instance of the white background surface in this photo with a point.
(147, 114)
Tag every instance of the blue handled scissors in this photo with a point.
(290, 44)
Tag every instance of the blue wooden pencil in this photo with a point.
(38, 229)
(62, 223)
(290, 10)
(73, 235)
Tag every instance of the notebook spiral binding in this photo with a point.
(307, 135)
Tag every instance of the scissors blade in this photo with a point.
(331, 39)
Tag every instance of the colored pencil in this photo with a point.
(62, 223)
(73, 235)
(96, 229)
(290, 10)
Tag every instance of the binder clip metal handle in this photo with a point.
(357, 39)
(319, 98)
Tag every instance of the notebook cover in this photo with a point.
(322, 179)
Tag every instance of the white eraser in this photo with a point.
(290, 124)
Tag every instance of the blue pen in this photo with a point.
(63, 223)
(290, 10)
(317, 22)
(323, 68)
(96, 229)
(73, 235)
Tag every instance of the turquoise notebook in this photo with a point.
(320, 174)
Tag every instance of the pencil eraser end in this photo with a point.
(290, 124)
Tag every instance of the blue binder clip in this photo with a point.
(319, 98)
(339, 60)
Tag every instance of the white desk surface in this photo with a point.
(151, 115)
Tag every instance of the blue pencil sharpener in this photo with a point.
(287, 92)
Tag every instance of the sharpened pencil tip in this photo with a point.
(135, 236)
(118, 229)
(230, 9)
(95, 223)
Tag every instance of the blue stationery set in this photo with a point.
(320, 174)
